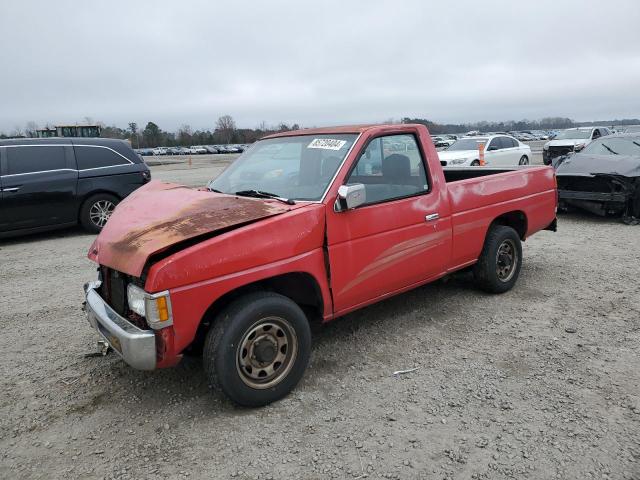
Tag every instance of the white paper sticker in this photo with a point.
(327, 143)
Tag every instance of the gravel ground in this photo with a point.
(542, 382)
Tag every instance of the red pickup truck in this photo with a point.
(305, 226)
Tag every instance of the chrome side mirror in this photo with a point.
(349, 197)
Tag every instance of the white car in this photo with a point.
(198, 149)
(571, 140)
(499, 151)
(159, 151)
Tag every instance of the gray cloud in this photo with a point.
(324, 63)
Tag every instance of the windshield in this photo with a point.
(467, 143)
(614, 146)
(298, 168)
(573, 134)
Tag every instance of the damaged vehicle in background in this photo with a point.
(604, 178)
(571, 140)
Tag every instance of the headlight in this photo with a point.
(458, 161)
(156, 307)
(545, 147)
(578, 146)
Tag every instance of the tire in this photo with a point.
(498, 267)
(237, 361)
(524, 160)
(96, 210)
(475, 163)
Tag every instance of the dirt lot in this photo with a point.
(542, 382)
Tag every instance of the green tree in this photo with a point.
(152, 135)
(133, 130)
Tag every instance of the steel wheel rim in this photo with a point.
(267, 352)
(100, 212)
(506, 260)
(524, 161)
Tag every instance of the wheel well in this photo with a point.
(300, 287)
(516, 220)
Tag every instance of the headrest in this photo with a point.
(396, 166)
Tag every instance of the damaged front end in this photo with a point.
(603, 194)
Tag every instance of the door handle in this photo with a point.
(12, 189)
(431, 217)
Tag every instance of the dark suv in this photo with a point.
(51, 183)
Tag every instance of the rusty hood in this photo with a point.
(160, 215)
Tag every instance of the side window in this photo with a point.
(29, 159)
(391, 167)
(97, 157)
(495, 144)
(509, 142)
(596, 134)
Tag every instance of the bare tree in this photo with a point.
(17, 131)
(31, 128)
(226, 127)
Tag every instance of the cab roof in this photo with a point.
(357, 129)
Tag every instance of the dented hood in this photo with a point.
(161, 215)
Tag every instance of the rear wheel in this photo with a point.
(523, 160)
(258, 349)
(96, 210)
(475, 163)
(498, 267)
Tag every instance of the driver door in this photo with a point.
(397, 238)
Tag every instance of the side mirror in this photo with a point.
(349, 197)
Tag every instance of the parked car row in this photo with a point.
(193, 150)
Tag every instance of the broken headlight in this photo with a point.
(156, 307)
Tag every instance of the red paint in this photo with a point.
(372, 252)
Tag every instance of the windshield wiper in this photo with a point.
(635, 143)
(214, 190)
(615, 153)
(261, 194)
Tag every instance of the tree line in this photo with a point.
(225, 130)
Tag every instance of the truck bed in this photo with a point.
(478, 195)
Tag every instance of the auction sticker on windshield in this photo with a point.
(327, 143)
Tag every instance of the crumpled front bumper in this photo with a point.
(137, 347)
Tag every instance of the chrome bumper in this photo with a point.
(136, 347)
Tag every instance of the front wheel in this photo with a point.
(498, 267)
(523, 160)
(258, 349)
(475, 163)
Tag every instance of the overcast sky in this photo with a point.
(316, 63)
